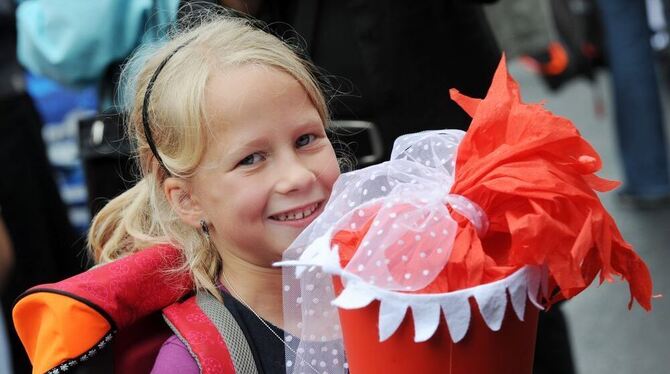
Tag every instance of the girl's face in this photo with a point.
(269, 168)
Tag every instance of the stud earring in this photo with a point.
(204, 227)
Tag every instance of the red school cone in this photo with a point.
(508, 351)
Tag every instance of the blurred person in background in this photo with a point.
(621, 34)
(638, 111)
(45, 245)
(82, 44)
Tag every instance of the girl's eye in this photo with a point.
(304, 140)
(251, 159)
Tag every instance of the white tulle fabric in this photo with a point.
(406, 246)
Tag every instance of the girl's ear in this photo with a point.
(178, 193)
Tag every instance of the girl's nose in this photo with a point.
(294, 175)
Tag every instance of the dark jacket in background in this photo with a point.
(401, 58)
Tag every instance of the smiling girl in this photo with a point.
(230, 131)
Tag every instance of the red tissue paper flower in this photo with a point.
(533, 175)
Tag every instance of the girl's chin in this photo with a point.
(282, 239)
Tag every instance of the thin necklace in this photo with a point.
(238, 297)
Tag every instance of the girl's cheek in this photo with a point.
(333, 171)
(326, 167)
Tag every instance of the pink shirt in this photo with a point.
(174, 357)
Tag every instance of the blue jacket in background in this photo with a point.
(75, 41)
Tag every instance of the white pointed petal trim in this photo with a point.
(426, 319)
(457, 314)
(534, 277)
(314, 252)
(391, 314)
(354, 297)
(491, 299)
(517, 289)
(492, 302)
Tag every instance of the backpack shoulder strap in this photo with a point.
(211, 334)
(230, 330)
(200, 336)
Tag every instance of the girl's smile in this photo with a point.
(299, 217)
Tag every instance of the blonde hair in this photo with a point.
(142, 216)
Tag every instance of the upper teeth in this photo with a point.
(298, 214)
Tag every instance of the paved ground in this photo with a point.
(606, 337)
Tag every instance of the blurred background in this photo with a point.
(387, 67)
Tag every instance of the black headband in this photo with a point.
(145, 107)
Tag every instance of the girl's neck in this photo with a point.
(258, 286)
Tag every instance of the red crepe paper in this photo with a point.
(533, 175)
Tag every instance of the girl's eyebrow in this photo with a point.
(309, 125)
(245, 147)
(242, 147)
